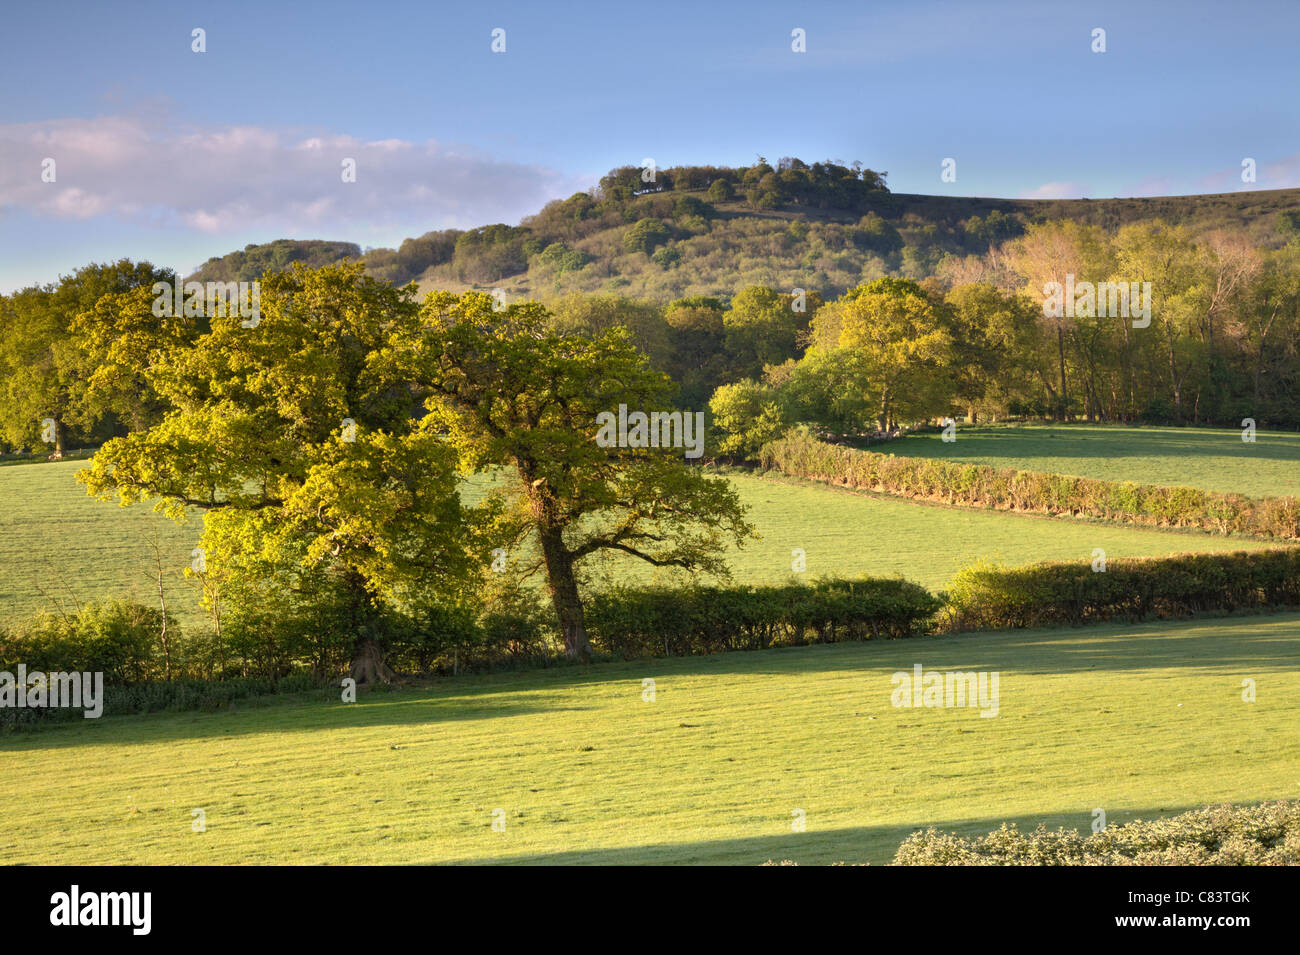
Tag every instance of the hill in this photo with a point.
(705, 230)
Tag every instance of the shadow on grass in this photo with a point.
(1250, 644)
(874, 844)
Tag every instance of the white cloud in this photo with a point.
(236, 178)
(1056, 190)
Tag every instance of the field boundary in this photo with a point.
(1013, 490)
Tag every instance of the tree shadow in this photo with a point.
(876, 845)
(1247, 644)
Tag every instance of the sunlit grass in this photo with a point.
(59, 547)
(1213, 459)
(1136, 720)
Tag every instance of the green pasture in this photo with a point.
(59, 547)
(1145, 720)
(1212, 459)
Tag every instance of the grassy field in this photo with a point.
(1216, 460)
(58, 545)
(1138, 720)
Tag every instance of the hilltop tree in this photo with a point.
(512, 393)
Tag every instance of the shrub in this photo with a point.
(115, 637)
(1217, 835)
(985, 597)
(645, 236)
(720, 191)
(671, 621)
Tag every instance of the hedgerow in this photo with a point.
(1268, 834)
(799, 454)
(668, 621)
(986, 597)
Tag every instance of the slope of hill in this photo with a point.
(714, 230)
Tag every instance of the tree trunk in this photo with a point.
(368, 664)
(58, 439)
(564, 595)
(1060, 349)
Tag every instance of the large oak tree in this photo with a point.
(510, 392)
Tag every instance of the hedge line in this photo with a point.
(1217, 835)
(980, 485)
(1055, 594)
(668, 621)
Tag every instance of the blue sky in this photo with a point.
(171, 155)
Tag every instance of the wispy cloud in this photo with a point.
(1056, 190)
(236, 178)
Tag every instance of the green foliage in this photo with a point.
(328, 506)
(1267, 834)
(667, 256)
(877, 235)
(896, 341)
(688, 206)
(561, 259)
(674, 621)
(255, 260)
(174, 696)
(987, 597)
(115, 637)
(646, 236)
(410, 260)
(74, 352)
(489, 253)
(745, 417)
(762, 328)
(510, 392)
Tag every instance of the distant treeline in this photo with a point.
(1215, 343)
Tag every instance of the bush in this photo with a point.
(670, 621)
(720, 191)
(1217, 835)
(510, 628)
(801, 455)
(115, 637)
(645, 236)
(986, 597)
